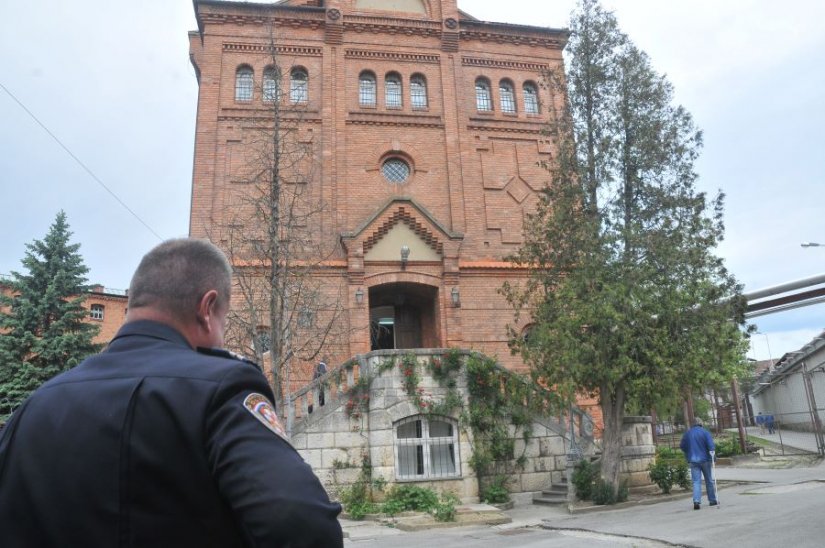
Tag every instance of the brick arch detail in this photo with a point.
(402, 277)
(403, 215)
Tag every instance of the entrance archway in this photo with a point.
(403, 315)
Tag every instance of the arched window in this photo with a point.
(244, 78)
(366, 89)
(96, 312)
(531, 98)
(263, 340)
(483, 101)
(507, 96)
(271, 83)
(392, 90)
(298, 86)
(418, 91)
(426, 447)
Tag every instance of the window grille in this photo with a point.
(531, 98)
(243, 84)
(395, 170)
(298, 86)
(507, 97)
(418, 92)
(366, 90)
(271, 84)
(483, 101)
(426, 448)
(392, 91)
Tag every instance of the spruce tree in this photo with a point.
(629, 301)
(42, 327)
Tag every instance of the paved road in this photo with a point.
(778, 508)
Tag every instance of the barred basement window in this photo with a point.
(426, 448)
(96, 313)
(243, 83)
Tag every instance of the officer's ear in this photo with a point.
(208, 309)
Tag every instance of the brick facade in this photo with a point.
(109, 309)
(473, 173)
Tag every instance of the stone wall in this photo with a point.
(335, 444)
(638, 451)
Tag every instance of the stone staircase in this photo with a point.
(557, 494)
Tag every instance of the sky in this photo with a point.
(113, 83)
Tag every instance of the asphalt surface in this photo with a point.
(759, 507)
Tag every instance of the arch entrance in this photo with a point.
(403, 315)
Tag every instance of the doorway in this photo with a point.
(403, 315)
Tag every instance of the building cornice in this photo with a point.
(300, 51)
(503, 64)
(395, 56)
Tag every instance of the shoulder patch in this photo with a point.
(264, 411)
(228, 354)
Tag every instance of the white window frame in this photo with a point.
(426, 443)
(97, 311)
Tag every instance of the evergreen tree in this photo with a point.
(42, 327)
(629, 302)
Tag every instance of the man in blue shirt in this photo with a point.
(699, 450)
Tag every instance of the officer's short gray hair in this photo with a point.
(176, 274)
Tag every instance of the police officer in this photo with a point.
(160, 440)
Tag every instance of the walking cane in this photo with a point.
(713, 475)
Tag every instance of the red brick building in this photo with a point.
(107, 309)
(426, 126)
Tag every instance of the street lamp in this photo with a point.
(811, 244)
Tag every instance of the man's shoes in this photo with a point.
(696, 506)
(714, 503)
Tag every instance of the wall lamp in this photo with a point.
(405, 255)
(359, 296)
(455, 296)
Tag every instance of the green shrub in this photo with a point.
(669, 472)
(444, 510)
(728, 447)
(603, 492)
(496, 492)
(584, 474)
(412, 497)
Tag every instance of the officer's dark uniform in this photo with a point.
(150, 444)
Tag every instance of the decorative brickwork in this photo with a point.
(473, 176)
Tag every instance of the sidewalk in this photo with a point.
(670, 518)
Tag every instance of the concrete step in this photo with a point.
(557, 494)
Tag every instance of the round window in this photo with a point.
(396, 170)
